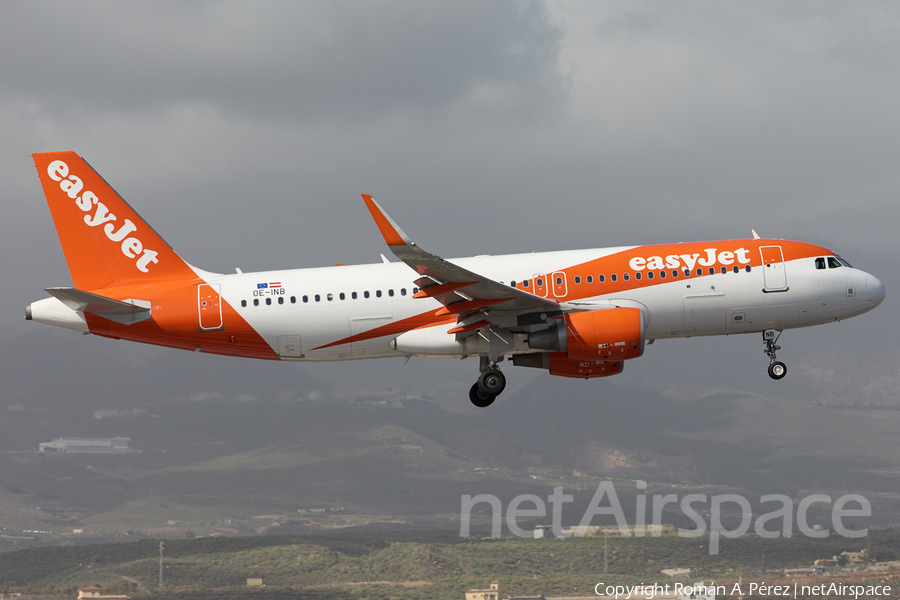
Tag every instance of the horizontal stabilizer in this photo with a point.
(87, 302)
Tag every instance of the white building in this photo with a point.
(116, 445)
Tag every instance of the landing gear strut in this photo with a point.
(777, 369)
(490, 384)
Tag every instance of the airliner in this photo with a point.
(574, 313)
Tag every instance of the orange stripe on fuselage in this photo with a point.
(175, 322)
(620, 264)
(426, 319)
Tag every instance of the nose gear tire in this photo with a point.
(777, 370)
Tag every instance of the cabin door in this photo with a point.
(773, 268)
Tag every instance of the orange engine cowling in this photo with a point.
(612, 334)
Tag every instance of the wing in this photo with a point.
(461, 291)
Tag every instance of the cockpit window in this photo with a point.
(820, 263)
(845, 263)
(833, 263)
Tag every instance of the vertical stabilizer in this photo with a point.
(105, 242)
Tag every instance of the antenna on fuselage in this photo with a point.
(755, 235)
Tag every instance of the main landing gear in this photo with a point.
(490, 384)
(777, 369)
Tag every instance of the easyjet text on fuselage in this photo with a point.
(711, 257)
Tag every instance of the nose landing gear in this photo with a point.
(490, 384)
(777, 369)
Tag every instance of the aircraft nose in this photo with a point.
(875, 292)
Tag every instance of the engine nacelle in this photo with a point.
(598, 335)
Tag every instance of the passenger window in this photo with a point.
(256, 302)
(577, 279)
(590, 279)
(649, 274)
(540, 282)
(402, 291)
(243, 303)
(736, 269)
(747, 268)
(353, 295)
(415, 291)
(268, 301)
(280, 299)
(675, 273)
(378, 293)
(712, 270)
(724, 270)
(318, 298)
(330, 297)
(662, 274)
(341, 296)
(512, 283)
(366, 294)
(699, 272)
(293, 299)
(687, 273)
(833, 263)
(305, 299)
(390, 293)
(559, 281)
(637, 276)
(525, 284)
(602, 278)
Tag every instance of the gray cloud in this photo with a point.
(279, 62)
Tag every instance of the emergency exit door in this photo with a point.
(540, 285)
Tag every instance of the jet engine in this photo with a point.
(612, 334)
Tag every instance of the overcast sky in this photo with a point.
(245, 132)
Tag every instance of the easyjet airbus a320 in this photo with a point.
(575, 313)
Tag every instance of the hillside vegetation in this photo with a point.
(431, 564)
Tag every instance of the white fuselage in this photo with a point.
(309, 307)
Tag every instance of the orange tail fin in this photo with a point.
(105, 242)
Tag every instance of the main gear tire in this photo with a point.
(478, 399)
(491, 382)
